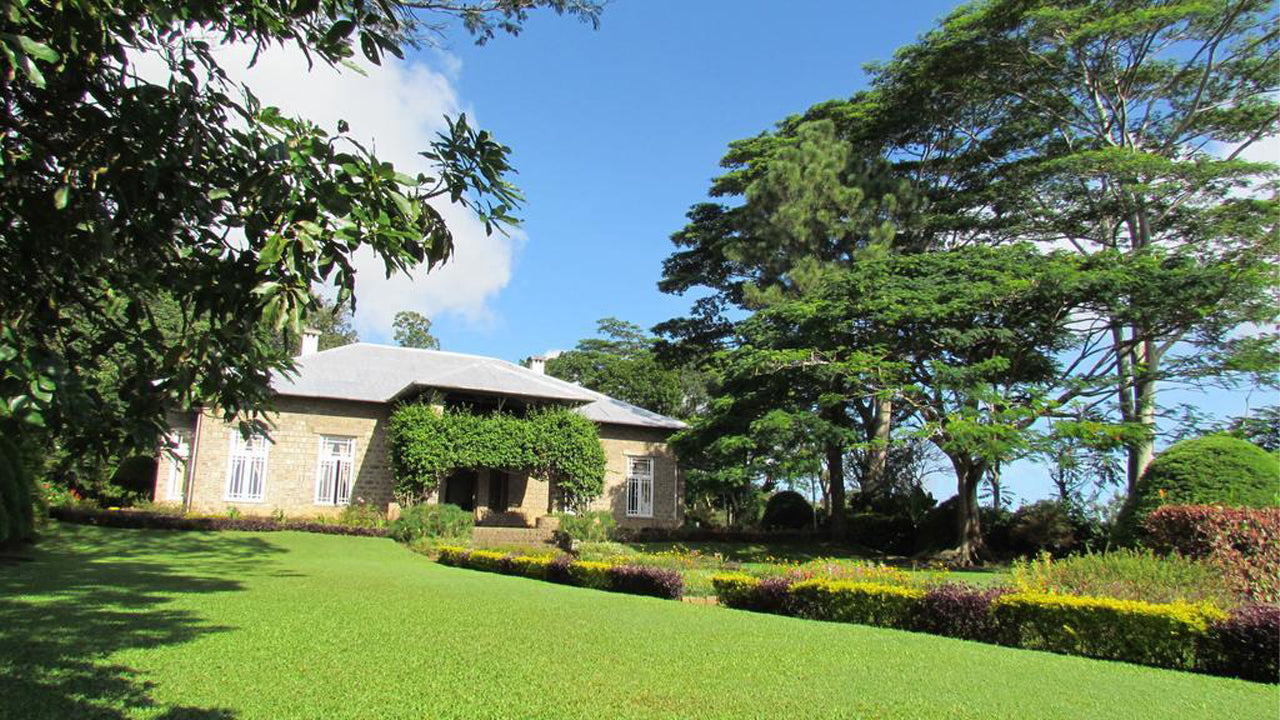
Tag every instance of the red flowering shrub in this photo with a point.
(1244, 542)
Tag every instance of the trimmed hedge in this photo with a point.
(1182, 636)
(1165, 635)
(1246, 644)
(890, 606)
(631, 579)
(139, 520)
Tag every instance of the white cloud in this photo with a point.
(395, 109)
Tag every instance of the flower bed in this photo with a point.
(632, 579)
(164, 521)
(1184, 636)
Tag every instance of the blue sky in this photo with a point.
(616, 132)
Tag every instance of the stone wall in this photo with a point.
(293, 457)
(623, 441)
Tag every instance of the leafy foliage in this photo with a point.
(17, 499)
(621, 364)
(1244, 543)
(1164, 635)
(413, 330)
(120, 190)
(427, 443)
(623, 578)
(172, 521)
(429, 520)
(593, 526)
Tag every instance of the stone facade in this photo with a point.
(293, 459)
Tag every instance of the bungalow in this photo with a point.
(328, 446)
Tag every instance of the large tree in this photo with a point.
(413, 330)
(119, 188)
(1118, 125)
(620, 362)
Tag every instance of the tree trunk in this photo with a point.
(1138, 405)
(995, 486)
(878, 455)
(835, 492)
(969, 473)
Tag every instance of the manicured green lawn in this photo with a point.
(112, 623)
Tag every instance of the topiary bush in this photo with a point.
(428, 520)
(1208, 470)
(890, 606)
(787, 510)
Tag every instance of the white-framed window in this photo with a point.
(247, 468)
(333, 471)
(640, 487)
(178, 453)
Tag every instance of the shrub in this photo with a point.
(1166, 635)
(889, 606)
(959, 611)
(452, 555)
(1209, 470)
(361, 515)
(1246, 644)
(744, 592)
(168, 521)
(595, 526)
(646, 580)
(135, 476)
(787, 510)
(886, 533)
(1125, 575)
(1044, 526)
(427, 520)
(634, 579)
(594, 575)
(1243, 542)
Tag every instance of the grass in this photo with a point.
(110, 623)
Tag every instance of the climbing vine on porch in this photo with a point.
(427, 444)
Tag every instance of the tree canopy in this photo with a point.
(119, 188)
(620, 362)
(1111, 129)
(413, 330)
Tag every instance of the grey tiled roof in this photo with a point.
(381, 373)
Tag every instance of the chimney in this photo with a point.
(310, 343)
(538, 364)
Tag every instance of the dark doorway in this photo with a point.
(498, 488)
(460, 489)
